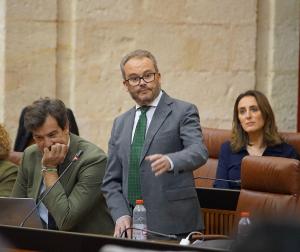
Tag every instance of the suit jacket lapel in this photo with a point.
(128, 126)
(161, 113)
(73, 148)
(38, 181)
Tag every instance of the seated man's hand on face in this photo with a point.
(52, 157)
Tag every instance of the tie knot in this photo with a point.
(144, 109)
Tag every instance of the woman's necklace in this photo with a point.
(255, 151)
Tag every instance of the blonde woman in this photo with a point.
(8, 170)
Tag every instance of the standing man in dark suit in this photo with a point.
(168, 150)
(75, 202)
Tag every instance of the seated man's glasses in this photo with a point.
(136, 80)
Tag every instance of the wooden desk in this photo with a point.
(218, 208)
(48, 240)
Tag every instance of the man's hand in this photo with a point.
(51, 159)
(159, 163)
(54, 156)
(122, 224)
(15, 157)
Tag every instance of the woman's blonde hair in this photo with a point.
(239, 137)
(4, 143)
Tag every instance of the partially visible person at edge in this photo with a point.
(75, 203)
(254, 132)
(8, 170)
(157, 163)
(24, 138)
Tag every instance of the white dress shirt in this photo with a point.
(149, 115)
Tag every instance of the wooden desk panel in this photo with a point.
(48, 240)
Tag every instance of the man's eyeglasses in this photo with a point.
(136, 80)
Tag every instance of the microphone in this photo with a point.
(124, 232)
(237, 181)
(75, 158)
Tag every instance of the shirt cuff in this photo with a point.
(171, 163)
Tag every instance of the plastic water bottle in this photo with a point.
(244, 225)
(139, 221)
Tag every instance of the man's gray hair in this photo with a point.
(137, 54)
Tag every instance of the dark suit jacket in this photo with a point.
(170, 199)
(229, 165)
(76, 201)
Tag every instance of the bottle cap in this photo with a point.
(139, 202)
(245, 214)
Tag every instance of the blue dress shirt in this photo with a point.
(229, 165)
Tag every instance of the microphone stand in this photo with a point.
(173, 237)
(76, 157)
(216, 179)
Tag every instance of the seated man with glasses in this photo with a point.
(153, 150)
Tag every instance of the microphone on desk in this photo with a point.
(237, 181)
(75, 158)
(124, 233)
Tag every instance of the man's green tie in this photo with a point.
(134, 184)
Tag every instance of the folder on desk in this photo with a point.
(14, 210)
